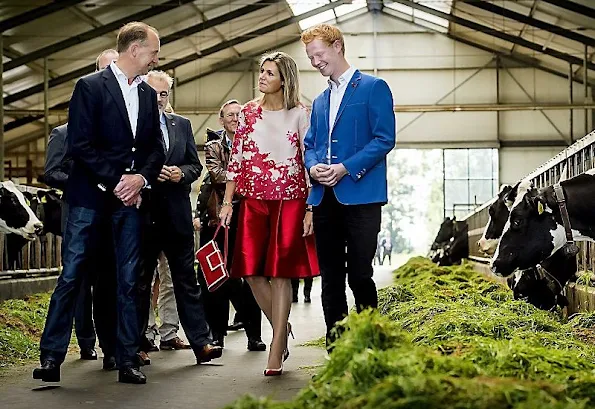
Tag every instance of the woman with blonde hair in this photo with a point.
(274, 241)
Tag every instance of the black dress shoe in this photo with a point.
(307, 299)
(208, 352)
(237, 325)
(218, 340)
(88, 354)
(131, 375)
(256, 344)
(109, 363)
(49, 371)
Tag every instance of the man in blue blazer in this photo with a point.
(352, 130)
(116, 146)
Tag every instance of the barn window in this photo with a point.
(470, 179)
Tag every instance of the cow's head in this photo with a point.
(446, 231)
(530, 234)
(51, 203)
(15, 215)
(531, 286)
(498, 214)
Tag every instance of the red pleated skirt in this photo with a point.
(269, 240)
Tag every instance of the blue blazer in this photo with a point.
(363, 134)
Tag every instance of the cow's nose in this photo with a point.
(38, 228)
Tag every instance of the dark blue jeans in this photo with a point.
(81, 242)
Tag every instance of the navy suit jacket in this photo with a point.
(57, 164)
(100, 140)
(363, 134)
(170, 202)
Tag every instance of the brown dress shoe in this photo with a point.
(209, 352)
(143, 358)
(173, 344)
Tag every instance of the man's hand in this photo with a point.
(328, 175)
(175, 174)
(128, 188)
(319, 172)
(165, 174)
(196, 224)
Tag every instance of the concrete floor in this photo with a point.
(174, 381)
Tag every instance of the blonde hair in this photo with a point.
(325, 32)
(162, 76)
(289, 77)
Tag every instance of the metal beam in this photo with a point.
(572, 6)
(437, 107)
(496, 33)
(36, 13)
(167, 39)
(232, 62)
(562, 32)
(491, 107)
(251, 35)
(517, 58)
(17, 123)
(93, 33)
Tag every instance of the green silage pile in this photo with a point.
(445, 337)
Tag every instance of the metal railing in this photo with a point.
(40, 257)
(577, 158)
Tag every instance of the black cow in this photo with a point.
(534, 229)
(543, 285)
(457, 247)
(498, 214)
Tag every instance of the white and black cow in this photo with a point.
(47, 206)
(542, 285)
(534, 229)
(498, 215)
(15, 215)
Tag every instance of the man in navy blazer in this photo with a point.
(115, 142)
(352, 130)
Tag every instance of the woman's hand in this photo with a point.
(308, 224)
(225, 215)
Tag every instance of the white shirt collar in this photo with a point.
(120, 76)
(343, 78)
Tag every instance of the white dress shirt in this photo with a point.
(164, 131)
(337, 93)
(130, 94)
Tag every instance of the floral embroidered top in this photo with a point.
(267, 156)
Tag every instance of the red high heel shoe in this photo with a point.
(273, 372)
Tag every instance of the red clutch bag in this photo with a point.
(213, 263)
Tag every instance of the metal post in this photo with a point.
(498, 98)
(174, 89)
(570, 98)
(1, 108)
(46, 106)
(443, 185)
(586, 88)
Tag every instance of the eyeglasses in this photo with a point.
(163, 94)
(232, 115)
